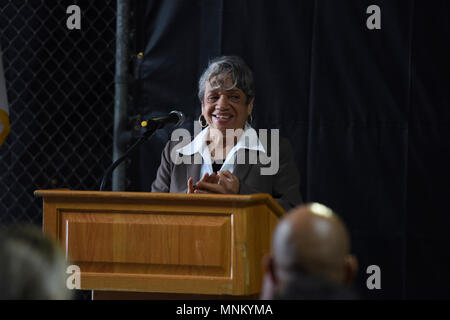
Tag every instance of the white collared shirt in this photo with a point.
(248, 140)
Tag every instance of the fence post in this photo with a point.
(121, 93)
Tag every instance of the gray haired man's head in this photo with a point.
(219, 69)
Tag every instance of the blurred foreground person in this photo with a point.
(31, 266)
(310, 257)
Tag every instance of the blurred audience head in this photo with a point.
(309, 287)
(310, 256)
(32, 267)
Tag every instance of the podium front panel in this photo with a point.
(163, 243)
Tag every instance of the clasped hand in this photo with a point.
(221, 182)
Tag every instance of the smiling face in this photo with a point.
(225, 108)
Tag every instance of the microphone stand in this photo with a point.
(149, 133)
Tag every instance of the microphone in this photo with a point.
(153, 124)
(175, 117)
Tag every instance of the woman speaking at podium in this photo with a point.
(228, 156)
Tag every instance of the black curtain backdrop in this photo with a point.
(367, 112)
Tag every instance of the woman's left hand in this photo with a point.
(228, 184)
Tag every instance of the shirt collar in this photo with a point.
(197, 145)
(248, 140)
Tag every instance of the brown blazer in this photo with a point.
(283, 186)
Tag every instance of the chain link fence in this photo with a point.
(60, 86)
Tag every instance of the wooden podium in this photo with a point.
(165, 245)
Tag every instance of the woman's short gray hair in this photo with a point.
(219, 68)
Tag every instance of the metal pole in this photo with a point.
(121, 92)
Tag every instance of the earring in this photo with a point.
(200, 121)
(250, 119)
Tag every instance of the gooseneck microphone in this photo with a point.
(175, 117)
(152, 124)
